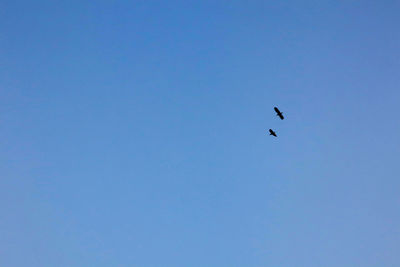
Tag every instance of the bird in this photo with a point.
(278, 113)
(271, 132)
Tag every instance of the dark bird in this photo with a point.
(278, 113)
(271, 132)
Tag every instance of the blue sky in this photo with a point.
(134, 133)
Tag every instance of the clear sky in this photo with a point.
(134, 133)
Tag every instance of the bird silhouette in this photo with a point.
(271, 132)
(279, 113)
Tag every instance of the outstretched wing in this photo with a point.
(277, 110)
(281, 116)
(272, 132)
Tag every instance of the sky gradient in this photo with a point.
(135, 133)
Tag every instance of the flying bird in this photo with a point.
(278, 113)
(271, 132)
